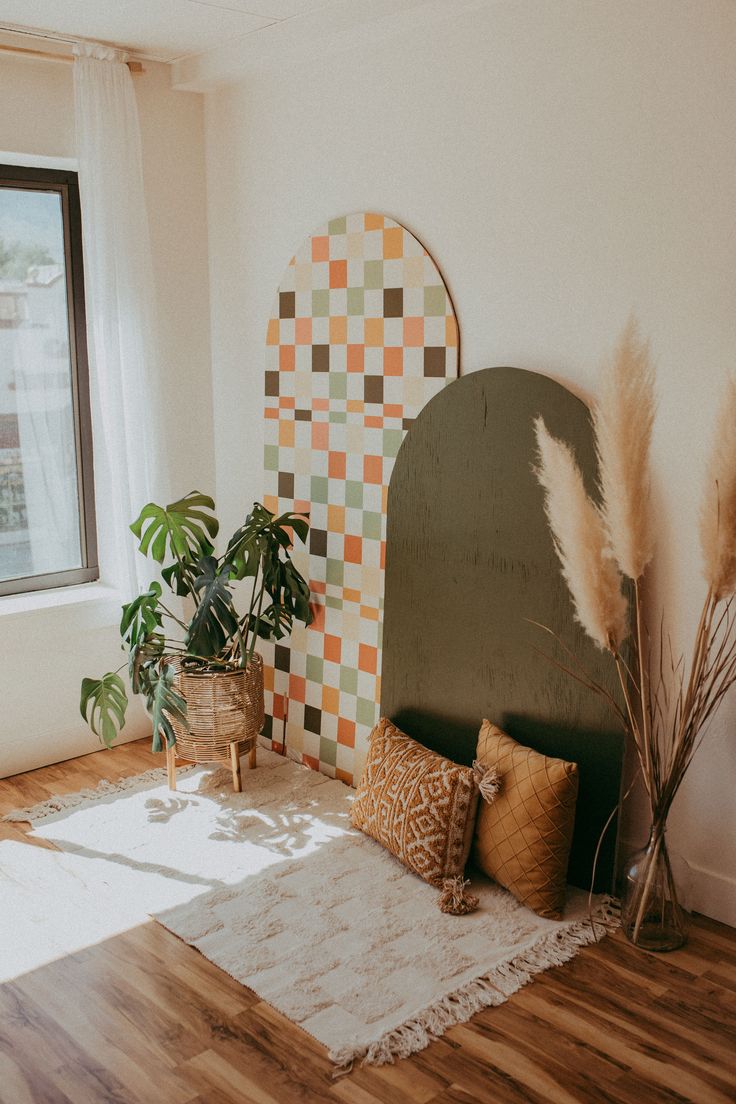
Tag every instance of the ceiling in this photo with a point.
(161, 30)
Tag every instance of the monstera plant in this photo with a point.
(215, 637)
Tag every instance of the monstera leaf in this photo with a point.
(289, 594)
(164, 704)
(256, 539)
(180, 575)
(102, 704)
(141, 628)
(214, 622)
(141, 617)
(183, 529)
(142, 659)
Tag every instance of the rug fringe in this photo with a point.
(554, 949)
(60, 802)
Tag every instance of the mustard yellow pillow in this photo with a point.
(522, 838)
(416, 803)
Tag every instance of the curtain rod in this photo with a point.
(47, 55)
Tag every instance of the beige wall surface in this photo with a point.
(564, 164)
(45, 649)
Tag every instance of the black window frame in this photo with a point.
(65, 183)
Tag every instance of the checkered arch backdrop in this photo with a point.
(362, 335)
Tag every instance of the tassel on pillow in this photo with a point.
(454, 899)
(488, 781)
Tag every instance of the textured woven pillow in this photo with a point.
(416, 803)
(523, 838)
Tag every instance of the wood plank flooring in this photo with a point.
(143, 1018)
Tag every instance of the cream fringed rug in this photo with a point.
(275, 887)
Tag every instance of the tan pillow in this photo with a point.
(416, 803)
(522, 839)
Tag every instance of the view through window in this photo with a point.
(47, 535)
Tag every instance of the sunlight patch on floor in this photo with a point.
(56, 903)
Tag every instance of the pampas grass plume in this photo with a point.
(581, 543)
(623, 420)
(718, 512)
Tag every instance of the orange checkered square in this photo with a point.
(353, 549)
(330, 699)
(318, 617)
(336, 519)
(338, 330)
(413, 332)
(393, 243)
(393, 361)
(368, 658)
(336, 465)
(321, 248)
(374, 332)
(345, 732)
(287, 358)
(303, 331)
(372, 469)
(320, 435)
(356, 358)
(297, 688)
(338, 274)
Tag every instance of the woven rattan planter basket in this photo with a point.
(224, 713)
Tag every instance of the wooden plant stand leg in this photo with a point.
(252, 758)
(235, 760)
(171, 766)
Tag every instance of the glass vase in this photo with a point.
(651, 915)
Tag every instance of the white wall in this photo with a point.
(563, 163)
(45, 649)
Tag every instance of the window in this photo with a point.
(47, 524)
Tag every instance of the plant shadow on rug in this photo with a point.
(274, 886)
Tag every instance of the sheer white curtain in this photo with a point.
(126, 403)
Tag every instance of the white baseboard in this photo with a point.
(713, 894)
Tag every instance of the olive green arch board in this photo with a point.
(469, 563)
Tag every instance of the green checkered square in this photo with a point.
(320, 303)
(335, 572)
(435, 300)
(271, 458)
(318, 486)
(373, 274)
(392, 439)
(338, 416)
(338, 385)
(327, 751)
(354, 494)
(337, 226)
(332, 602)
(315, 669)
(365, 712)
(356, 300)
(349, 680)
(371, 525)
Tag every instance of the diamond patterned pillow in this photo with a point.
(523, 838)
(416, 803)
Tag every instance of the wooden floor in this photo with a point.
(144, 1018)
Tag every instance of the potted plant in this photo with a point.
(201, 676)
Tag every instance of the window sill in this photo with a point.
(102, 600)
